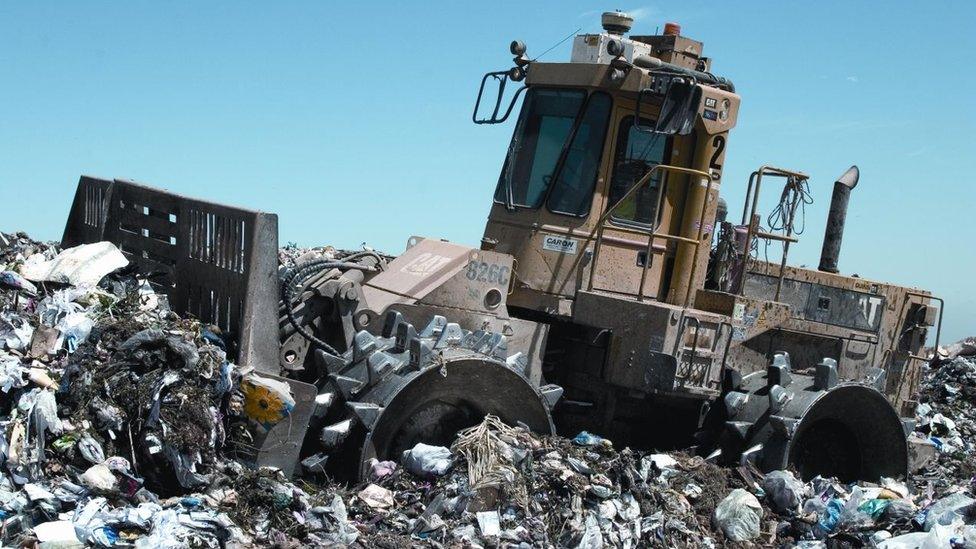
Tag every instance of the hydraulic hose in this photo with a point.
(295, 280)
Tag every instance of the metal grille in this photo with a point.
(214, 262)
(94, 206)
(217, 240)
(86, 221)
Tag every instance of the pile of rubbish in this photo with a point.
(122, 424)
(502, 486)
(945, 432)
(292, 254)
(118, 418)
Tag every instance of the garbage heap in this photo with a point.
(122, 424)
(119, 419)
(500, 485)
(945, 432)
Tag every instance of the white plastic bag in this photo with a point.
(939, 537)
(425, 460)
(739, 515)
(947, 510)
(83, 265)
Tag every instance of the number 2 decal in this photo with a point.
(719, 144)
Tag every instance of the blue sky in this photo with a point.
(352, 120)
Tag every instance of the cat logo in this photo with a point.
(425, 265)
(869, 307)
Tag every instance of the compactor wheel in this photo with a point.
(813, 423)
(390, 392)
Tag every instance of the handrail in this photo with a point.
(764, 170)
(652, 235)
(752, 225)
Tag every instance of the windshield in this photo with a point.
(572, 193)
(543, 128)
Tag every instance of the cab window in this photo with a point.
(543, 128)
(572, 192)
(636, 153)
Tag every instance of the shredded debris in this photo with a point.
(946, 425)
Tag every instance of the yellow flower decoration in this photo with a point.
(266, 401)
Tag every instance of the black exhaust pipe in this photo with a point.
(836, 218)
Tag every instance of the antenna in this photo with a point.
(568, 36)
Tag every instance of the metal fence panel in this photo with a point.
(214, 262)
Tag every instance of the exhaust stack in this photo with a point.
(834, 234)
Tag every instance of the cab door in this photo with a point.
(623, 258)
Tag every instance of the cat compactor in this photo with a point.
(611, 291)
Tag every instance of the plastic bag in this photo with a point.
(851, 516)
(489, 523)
(425, 460)
(12, 280)
(44, 415)
(343, 531)
(739, 515)
(376, 497)
(57, 533)
(15, 332)
(592, 537)
(90, 523)
(12, 372)
(947, 510)
(899, 509)
(814, 506)
(831, 516)
(267, 401)
(585, 438)
(939, 537)
(83, 265)
(90, 449)
(381, 469)
(75, 329)
(784, 491)
(100, 478)
(60, 304)
(874, 508)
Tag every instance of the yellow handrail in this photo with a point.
(601, 223)
(752, 229)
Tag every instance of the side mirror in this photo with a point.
(514, 74)
(501, 78)
(678, 109)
